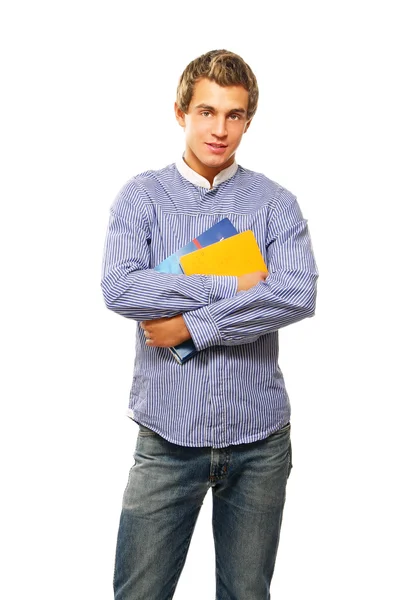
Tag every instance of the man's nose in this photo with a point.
(219, 127)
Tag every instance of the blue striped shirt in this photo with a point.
(233, 391)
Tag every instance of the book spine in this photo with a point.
(175, 355)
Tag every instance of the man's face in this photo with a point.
(214, 125)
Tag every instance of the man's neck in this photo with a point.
(208, 173)
(199, 180)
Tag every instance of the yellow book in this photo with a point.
(236, 255)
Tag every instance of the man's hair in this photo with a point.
(225, 68)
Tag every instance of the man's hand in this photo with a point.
(249, 280)
(163, 333)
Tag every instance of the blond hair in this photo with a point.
(225, 68)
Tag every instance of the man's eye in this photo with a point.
(205, 113)
(234, 117)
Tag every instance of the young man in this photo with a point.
(221, 420)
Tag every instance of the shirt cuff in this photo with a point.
(222, 287)
(203, 330)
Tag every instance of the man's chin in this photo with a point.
(206, 161)
(216, 162)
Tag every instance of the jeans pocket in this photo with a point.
(283, 429)
(144, 431)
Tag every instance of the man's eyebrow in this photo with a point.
(233, 110)
(206, 106)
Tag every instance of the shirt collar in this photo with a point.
(201, 181)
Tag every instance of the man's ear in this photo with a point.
(247, 126)
(180, 115)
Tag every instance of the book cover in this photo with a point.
(220, 231)
(237, 255)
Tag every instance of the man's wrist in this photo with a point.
(183, 331)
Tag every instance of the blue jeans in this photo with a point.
(165, 491)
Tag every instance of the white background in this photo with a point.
(87, 102)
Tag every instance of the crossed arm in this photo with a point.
(172, 331)
(211, 310)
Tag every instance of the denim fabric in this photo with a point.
(166, 488)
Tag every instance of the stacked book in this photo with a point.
(220, 250)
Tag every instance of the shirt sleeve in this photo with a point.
(130, 287)
(286, 296)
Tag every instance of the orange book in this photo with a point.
(236, 255)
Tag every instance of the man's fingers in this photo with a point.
(147, 335)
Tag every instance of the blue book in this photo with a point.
(220, 231)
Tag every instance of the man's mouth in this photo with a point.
(216, 149)
(216, 145)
